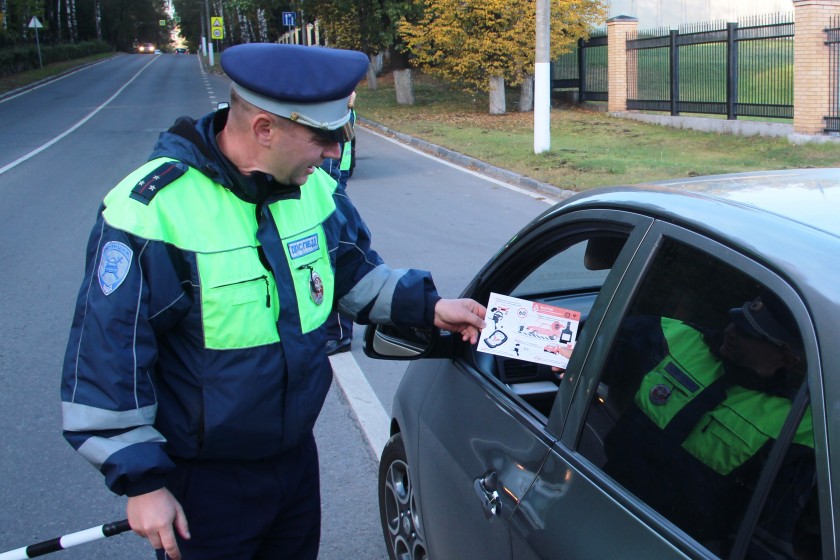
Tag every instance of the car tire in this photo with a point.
(401, 522)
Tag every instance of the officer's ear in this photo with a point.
(264, 128)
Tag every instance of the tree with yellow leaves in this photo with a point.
(481, 44)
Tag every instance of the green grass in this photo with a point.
(588, 148)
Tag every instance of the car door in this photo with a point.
(482, 434)
(589, 503)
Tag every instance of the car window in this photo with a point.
(701, 408)
(566, 271)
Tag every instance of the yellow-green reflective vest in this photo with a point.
(239, 302)
(735, 429)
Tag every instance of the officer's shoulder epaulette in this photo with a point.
(146, 189)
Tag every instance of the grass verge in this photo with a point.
(588, 148)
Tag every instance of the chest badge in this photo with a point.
(316, 287)
(660, 394)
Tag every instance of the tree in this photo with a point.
(369, 26)
(482, 44)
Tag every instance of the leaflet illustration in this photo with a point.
(529, 330)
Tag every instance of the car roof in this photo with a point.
(789, 220)
(810, 197)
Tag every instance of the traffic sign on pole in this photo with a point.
(217, 28)
(36, 25)
(289, 19)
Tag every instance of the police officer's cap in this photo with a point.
(768, 318)
(309, 85)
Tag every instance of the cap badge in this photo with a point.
(756, 305)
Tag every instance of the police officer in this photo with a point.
(709, 407)
(195, 367)
(339, 326)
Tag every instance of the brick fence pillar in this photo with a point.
(811, 72)
(617, 31)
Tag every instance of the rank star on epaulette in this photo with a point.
(150, 185)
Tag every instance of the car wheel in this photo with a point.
(401, 523)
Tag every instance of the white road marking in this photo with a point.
(70, 130)
(363, 401)
(50, 81)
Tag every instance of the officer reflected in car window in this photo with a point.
(699, 411)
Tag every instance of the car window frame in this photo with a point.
(600, 346)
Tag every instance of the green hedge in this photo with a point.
(21, 59)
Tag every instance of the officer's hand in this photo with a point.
(152, 516)
(465, 316)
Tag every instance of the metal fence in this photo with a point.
(584, 68)
(832, 120)
(735, 69)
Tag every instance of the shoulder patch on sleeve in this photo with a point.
(161, 176)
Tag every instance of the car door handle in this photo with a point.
(486, 488)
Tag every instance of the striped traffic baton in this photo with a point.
(73, 539)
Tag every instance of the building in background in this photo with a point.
(673, 13)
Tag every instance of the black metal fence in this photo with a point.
(584, 68)
(734, 69)
(832, 120)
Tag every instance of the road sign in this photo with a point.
(217, 28)
(162, 22)
(289, 19)
(34, 23)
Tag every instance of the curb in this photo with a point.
(471, 162)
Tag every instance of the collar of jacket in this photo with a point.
(194, 143)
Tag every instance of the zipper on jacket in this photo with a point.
(264, 278)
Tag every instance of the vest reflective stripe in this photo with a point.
(682, 375)
(735, 430)
(239, 300)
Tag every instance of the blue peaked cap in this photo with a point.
(309, 85)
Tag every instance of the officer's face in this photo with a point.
(757, 354)
(298, 152)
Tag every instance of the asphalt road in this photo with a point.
(62, 146)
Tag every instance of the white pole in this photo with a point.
(210, 50)
(542, 79)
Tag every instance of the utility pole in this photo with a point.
(542, 79)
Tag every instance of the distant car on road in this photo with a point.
(632, 454)
(182, 50)
(146, 48)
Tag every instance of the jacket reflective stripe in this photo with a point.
(97, 449)
(379, 284)
(80, 417)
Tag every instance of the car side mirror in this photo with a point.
(387, 342)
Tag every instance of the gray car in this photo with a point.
(696, 415)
